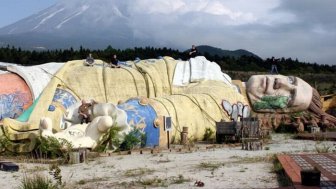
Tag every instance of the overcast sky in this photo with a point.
(303, 29)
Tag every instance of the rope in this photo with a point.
(198, 104)
(167, 68)
(146, 80)
(135, 83)
(143, 73)
(219, 107)
(153, 83)
(177, 120)
(54, 76)
(202, 110)
(167, 111)
(173, 76)
(104, 81)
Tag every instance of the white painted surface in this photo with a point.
(198, 69)
(37, 77)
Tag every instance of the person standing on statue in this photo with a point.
(193, 52)
(274, 62)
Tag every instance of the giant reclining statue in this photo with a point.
(193, 93)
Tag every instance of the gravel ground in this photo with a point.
(225, 167)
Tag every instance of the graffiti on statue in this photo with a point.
(63, 98)
(12, 105)
(142, 116)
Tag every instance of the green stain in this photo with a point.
(271, 102)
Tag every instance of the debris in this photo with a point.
(8, 166)
(199, 183)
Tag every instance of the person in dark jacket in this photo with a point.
(114, 63)
(193, 52)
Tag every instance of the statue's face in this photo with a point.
(278, 93)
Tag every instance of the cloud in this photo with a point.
(155, 7)
(303, 29)
(312, 12)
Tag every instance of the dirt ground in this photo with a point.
(219, 167)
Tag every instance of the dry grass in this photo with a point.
(93, 180)
(210, 165)
(253, 159)
(155, 182)
(321, 147)
(37, 181)
(137, 172)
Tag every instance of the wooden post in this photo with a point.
(74, 157)
(184, 136)
(78, 156)
(168, 139)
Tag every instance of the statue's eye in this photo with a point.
(290, 80)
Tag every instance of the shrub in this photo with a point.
(51, 147)
(110, 140)
(55, 171)
(322, 147)
(208, 134)
(37, 182)
(4, 143)
(132, 139)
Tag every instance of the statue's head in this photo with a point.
(278, 93)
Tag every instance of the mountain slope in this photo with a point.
(96, 24)
(66, 18)
(220, 52)
(73, 23)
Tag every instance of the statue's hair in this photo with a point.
(315, 108)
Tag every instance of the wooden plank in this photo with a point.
(226, 128)
(291, 168)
